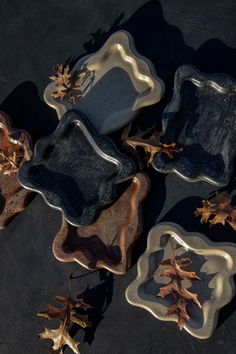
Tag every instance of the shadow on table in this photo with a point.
(99, 297)
(165, 46)
(29, 112)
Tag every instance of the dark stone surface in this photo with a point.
(76, 170)
(36, 35)
(201, 119)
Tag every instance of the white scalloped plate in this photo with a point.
(123, 82)
(214, 263)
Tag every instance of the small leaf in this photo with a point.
(69, 84)
(218, 212)
(66, 314)
(60, 337)
(175, 269)
(182, 296)
(179, 309)
(11, 156)
(149, 140)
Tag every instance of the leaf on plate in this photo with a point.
(182, 296)
(149, 141)
(70, 84)
(67, 314)
(219, 211)
(11, 156)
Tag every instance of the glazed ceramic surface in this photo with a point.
(200, 118)
(76, 170)
(13, 198)
(214, 263)
(108, 242)
(122, 83)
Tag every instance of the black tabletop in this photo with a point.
(35, 36)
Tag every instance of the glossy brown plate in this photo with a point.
(108, 242)
(15, 148)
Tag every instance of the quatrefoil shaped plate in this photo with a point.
(122, 83)
(76, 170)
(201, 118)
(214, 263)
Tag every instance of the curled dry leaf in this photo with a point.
(70, 84)
(67, 314)
(149, 140)
(182, 296)
(220, 211)
(60, 337)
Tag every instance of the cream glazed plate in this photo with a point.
(214, 263)
(120, 83)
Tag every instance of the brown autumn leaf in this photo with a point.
(69, 84)
(11, 155)
(219, 211)
(232, 219)
(179, 309)
(182, 296)
(175, 288)
(67, 314)
(60, 337)
(175, 269)
(149, 140)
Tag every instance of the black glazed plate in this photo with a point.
(76, 170)
(201, 118)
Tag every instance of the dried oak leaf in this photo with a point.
(60, 337)
(67, 314)
(174, 288)
(149, 140)
(179, 309)
(11, 156)
(182, 296)
(175, 269)
(232, 219)
(69, 84)
(218, 212)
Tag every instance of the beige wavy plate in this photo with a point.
(123, 82)
(214, 263)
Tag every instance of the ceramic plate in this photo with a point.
(76, 170)
(201, 118)
(122, 83)
(214, 263)
(108, 242)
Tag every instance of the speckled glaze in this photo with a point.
(76, 170)
(200, 118)
(123, 82)
(214, 263)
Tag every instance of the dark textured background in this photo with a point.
(36, 35)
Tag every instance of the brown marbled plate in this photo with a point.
(13, 197)
(108, 242)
